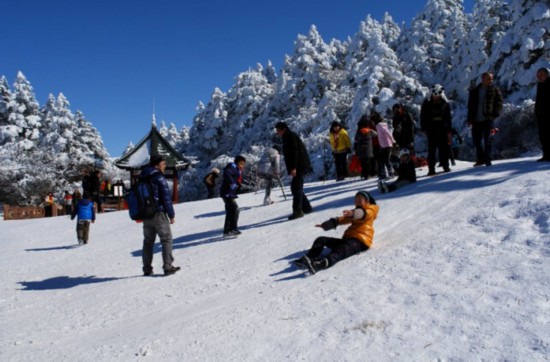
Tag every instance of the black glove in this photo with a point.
(330, 224)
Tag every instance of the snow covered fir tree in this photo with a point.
(383, 63)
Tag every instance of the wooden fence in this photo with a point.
(32, 212)
(24, 212)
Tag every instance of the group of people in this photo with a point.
(484, 106)
(69, 201)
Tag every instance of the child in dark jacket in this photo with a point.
(406, 173)
(231, 183)
(85, 210)
(357, 237)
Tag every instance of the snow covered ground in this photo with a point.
(459, 271)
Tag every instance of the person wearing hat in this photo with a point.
(231, 183)
(341, 146)
(357, 237)
(435, 121)
(160, 223)
(297, 165)
(210, 181)
(406, 173)
(269, 168)
(484, 106)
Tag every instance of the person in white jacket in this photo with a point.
(386, 141)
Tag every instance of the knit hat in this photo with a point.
(215, 170)
(367, 196)
(155, 160)
(281, 125)
(437, 90)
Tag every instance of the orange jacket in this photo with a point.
(361, 229)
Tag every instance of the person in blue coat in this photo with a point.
(231, 183)
(160, 223)
(85, 210)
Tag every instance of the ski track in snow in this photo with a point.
(459, 271)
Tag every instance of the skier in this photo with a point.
(357, 237)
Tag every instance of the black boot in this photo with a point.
(315, 265)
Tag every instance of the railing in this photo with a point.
(32, 212)
(25, 212)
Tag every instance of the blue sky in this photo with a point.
(116, 59)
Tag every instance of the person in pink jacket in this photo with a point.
(386, 141)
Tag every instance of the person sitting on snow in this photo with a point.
(357, 237)
(406, 172)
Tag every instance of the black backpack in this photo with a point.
(141, 200)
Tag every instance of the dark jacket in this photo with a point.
(91, 184)
(492, 106)
(435, 116)
(403, 129)
(542, 101)
(406, 171)
(296, 156)
(210, 179)
(84, 208)
(161, 191)
(231, 181)
(362, 143)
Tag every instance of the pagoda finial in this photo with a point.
(154, 119)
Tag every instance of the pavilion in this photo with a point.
(154, 144)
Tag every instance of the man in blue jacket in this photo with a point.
(159, 224)
(231, 183)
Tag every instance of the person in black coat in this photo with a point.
(91, 184)
(406, 173)
(484, 106)
(297, 165)
(435, 121)
(403, 127)
(542, 111)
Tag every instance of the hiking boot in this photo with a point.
(301, 263)
(147, 271)
(171, 271)
(446, 169)
(315, 265)
(296, 215)
(478, 163)
(231, 233)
